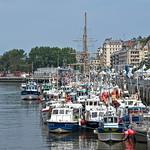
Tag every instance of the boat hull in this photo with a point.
(115, 137)
(142, 136)
(28, 95)
(62, 127)
(92, 124)
(111, 134)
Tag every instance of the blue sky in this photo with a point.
(25, 24)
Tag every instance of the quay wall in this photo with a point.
(39, 79)
(12, 79)
(143, 86)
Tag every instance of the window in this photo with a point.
(95, 103)
(105, 120)
(110, 120)
(67, 111)
(115, 120)
(61, 111)
(94, 114)
(55, 111)
(91, 103)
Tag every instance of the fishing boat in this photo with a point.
(64, 119)
(110, 129)
(134, 110)
(46, 110)
(142, 129)
(30, 92)
(47, 88)
(93, 117)
(94, 112)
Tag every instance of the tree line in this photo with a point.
(18, 60)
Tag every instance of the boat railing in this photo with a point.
(61, 118)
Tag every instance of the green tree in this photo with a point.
(17, 59)
(47, 57)
(13, 60)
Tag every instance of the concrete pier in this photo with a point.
(12, 79)
(21, 79)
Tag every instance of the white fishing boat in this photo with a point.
(111, 129)
(47, 88)
(132, 109)
(94, 112)
(47, 108)
(31, 92)
(93, 117)
(65, 119)
(142, 129)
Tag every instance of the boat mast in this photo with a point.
(85, 46)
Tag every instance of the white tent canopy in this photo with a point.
(148, 71)
(141, 70)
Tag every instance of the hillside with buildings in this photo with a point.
(118, 53)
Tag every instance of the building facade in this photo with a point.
(129, 55)
(109, 47)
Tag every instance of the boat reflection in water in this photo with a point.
(142, 146)
(72, 141)
(125, 145)
(84, 140)
(60, 141)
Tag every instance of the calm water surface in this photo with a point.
(22, 129)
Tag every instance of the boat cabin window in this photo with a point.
(110, 120)
(55, 111)
(101, 113)
(76, 111)
(137, 109)
(129, 103)
(95, 103)
(91, 103)
(68, 111)
(61, 112)
(81, 93)
(115, 119)
(94, 114)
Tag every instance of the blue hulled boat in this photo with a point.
(111, 129)
(63, 120)
(30, 92)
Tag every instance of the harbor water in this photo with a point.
(21, 128)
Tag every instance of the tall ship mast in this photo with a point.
(85, 54)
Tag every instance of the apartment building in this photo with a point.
(146, 49)
(128, 55)
(134, 56)
(109, 47)
(115, 60)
